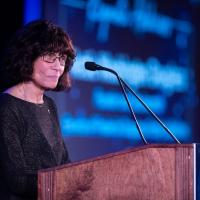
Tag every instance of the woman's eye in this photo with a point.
(64, 58)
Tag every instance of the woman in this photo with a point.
(38, 59)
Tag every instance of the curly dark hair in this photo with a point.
(33, 40)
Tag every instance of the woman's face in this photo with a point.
(47, 70)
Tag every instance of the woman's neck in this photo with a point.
(27, 91)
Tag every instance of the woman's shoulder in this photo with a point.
(8, 105)
(6, 100)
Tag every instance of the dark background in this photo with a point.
(11, 16)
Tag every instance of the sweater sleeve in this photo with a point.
(65, 156)
(19, 179)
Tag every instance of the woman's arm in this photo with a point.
(19, 179)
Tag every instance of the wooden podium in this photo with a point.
(150, 172)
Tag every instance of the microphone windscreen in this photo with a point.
(90, 66)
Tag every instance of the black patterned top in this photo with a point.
(30, 140)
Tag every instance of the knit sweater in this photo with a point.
(30, 140)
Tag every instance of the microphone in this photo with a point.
(93, 67)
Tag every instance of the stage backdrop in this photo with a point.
(151, 45)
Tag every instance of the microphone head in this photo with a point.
(92, 66)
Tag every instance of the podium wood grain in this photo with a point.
(151, 172)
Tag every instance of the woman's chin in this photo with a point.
(50, 86)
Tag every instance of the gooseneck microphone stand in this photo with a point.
(93, 67)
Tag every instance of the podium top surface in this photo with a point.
(126, 151)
